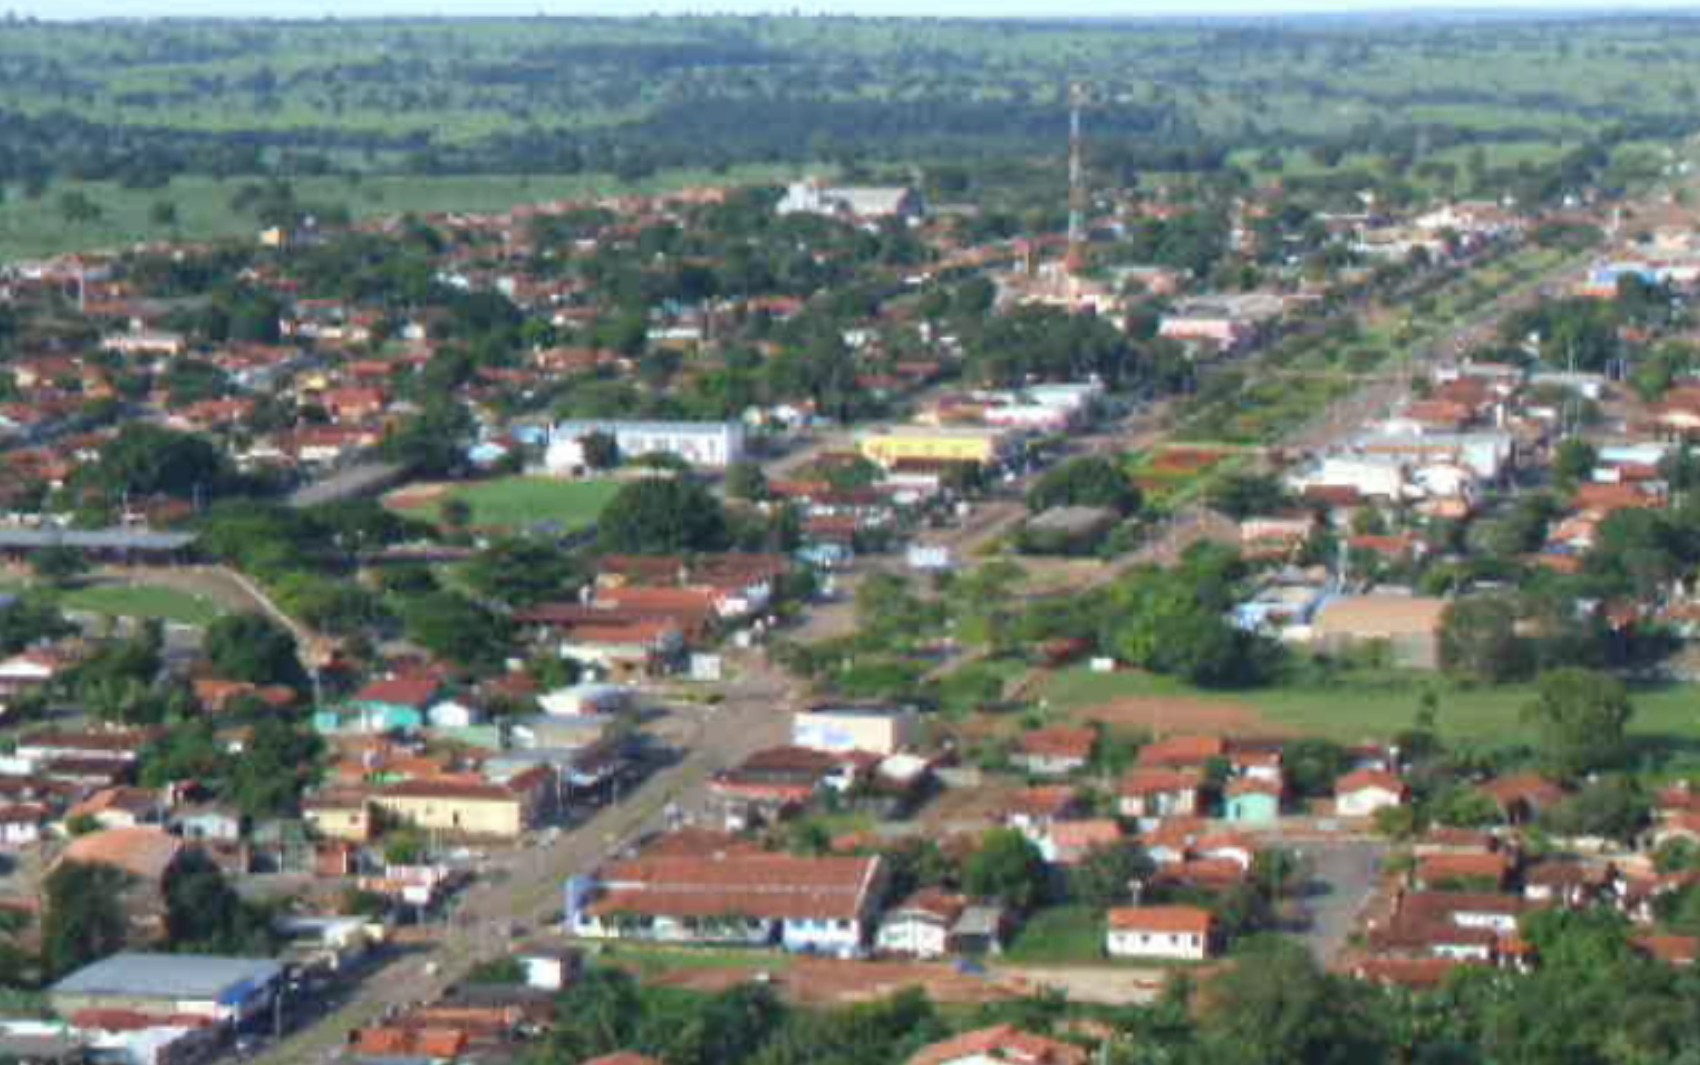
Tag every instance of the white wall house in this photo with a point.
(1179, 933)
(1361, 794)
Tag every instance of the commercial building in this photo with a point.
(479, 809)
(227, 990)
(877, 729)
(808, 905)
(890, 446)
(851, 201)
(715, 445)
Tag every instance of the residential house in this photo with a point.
(1152, 792)
(1180, 752)
(1522, 797)
(21, 823)
(920, 925)
(1055, 751)
(148, 856)
(392, 704)
(1362, 793)
(807, 905)
(122, 807)
(1003, 1044)
(1251, 800)
(1068, 842)
(340, 814)
(1181, 933)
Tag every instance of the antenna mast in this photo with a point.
(1076, 261)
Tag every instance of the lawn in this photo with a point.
(1059, 935)
(204, 210)
(522, 502)
(652, 959)
(142, 601)
(1373, 706)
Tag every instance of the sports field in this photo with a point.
(513, 503)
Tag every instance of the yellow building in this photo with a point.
(460, 808)
(888, 447)
(339, 815)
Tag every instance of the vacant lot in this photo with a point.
(1059, 935)
(513, 502)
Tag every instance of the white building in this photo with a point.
(851, 201)
(876, 729)
(1362, 793)
(1179, 933)
(714, 445)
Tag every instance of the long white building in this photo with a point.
(715, 445)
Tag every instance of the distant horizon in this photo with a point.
(967, 10)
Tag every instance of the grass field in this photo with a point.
(204, 212)
(522, 502)
(650, 959)
(1375, 706)
(142, 601)
(1059, 935)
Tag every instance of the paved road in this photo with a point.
(1346, 874)
(522, 890)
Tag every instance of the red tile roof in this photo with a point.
(770, 886)
(1186, 919)
(1003, 1043)
(1367, 779)
(1183, 751)
(414, 691)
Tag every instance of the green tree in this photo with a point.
(1275, 1007)
(1244, 495)
(144, 459)
(745, 480)
(268, 776)
(1092, 481)
(1573, 462)
(1105, 874)
(203, 914)
(85, 917)
(1007, 867)
(662, 515)
(59, 564)
(457, 629)
(252, 648)
(601, 451)
(1580, 716)
(522, 572)
(1478, 639)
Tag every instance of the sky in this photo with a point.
(82, 9)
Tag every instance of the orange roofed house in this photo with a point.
(1179, 932)
(807, 905)
(1004, 1043)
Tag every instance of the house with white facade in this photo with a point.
(920, 925)
(1181, 933)
(1362, 793)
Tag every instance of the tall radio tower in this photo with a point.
(1076, 262)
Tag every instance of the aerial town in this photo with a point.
(605, 629)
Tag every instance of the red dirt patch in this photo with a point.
(1181, 714)
(415, 497)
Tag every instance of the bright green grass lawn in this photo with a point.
(142, 601)
(1378, 705)
(1059, 935)
(520, 502)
